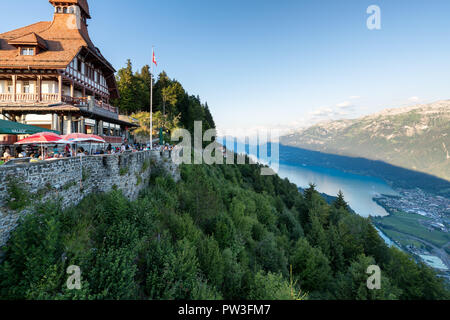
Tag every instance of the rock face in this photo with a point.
(72, 179)
(416, 138)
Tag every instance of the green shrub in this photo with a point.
(18, 196)
(221, 232)
(270, 286)
(123, 171)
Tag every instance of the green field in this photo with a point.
(398, 225)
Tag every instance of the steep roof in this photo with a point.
(63, 39)
(29, 39)
(35, 27)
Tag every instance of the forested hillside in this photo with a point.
(222, 232)
(172, 106)
(416, 138)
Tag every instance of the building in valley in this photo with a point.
(53, 76)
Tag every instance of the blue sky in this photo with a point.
(276, 63)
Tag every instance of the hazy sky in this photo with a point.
(276, 63)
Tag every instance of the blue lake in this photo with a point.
(358, 190)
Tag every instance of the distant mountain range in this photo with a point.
(416, 138)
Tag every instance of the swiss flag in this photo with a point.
(154, 59)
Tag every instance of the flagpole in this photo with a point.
(151, 101)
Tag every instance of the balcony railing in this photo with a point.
(28, 97)
(7, 97)
(90, 103)
(87, 102)
(50, 97)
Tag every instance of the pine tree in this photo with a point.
(309, 192)
(143, 80)
(208, 117)
(340, 201)
(126, 82)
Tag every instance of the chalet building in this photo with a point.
(53, 76)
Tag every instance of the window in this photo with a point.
(27, 52)
(26, 87)
(65, 10)
(10, 87)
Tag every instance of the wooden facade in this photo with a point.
(52, 75)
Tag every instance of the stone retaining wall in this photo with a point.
(72, 179)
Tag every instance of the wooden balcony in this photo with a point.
(28, 98)
(92, 105)
(50, 97)
(6, 97)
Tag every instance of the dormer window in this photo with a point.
(29, 45)
(27, 52)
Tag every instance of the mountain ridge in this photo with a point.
(415, 137)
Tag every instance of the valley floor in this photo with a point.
(418, 223)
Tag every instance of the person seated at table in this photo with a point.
(33, 158)
(7, 154)
(21, 153)
(80, 151)
(68, 151)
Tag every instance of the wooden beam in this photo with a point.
(59, 87)
(72, 88)
(39, 88)
(14, 80)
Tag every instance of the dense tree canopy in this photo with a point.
(222, 232)
(170, 101)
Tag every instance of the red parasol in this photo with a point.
(96, 138)
(82, 137)
(43, 138)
